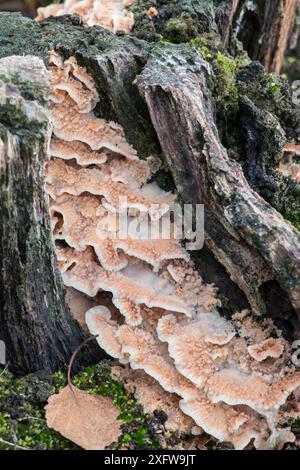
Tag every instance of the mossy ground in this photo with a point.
(22, 415)
(97, 380)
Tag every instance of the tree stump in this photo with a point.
(164, 96)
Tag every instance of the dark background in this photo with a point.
(27, 7)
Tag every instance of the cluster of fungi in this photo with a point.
(290, 167)
(142, 298)
(112, 15)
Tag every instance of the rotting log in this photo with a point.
(240, 225)
(35, 323)
(152, 89)
(265, 28)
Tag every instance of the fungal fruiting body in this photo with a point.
(111, 14)
(290, 166)
(145, 302)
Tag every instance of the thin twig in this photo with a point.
(13, 445)
(77, 350)
(33, 418)
(5, 369)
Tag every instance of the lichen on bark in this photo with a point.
(176, 21)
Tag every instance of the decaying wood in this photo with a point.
(161, 94)
(230, 9)
(240, 225)
(274, 58)
(265, 28)
(35, 323)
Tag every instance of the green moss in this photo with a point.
(226, 95)
(180, 29)
(15, 119)
(176, 21)
(227, 63)
(296, 423)
(22, 415)
(226, 87)
(246, 96)
(274, 88)
(243, 88)
(292, 218)
(203, 46)
(137, 433)
(272, 93)
(225, 68)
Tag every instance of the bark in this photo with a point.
(292, 56)
(35, 323)
(152, 89)
(265, 27)
(227, 19)
(239, 223)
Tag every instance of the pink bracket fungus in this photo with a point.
(230, 379)
(289, 167)
(111, 14)
(269, 348)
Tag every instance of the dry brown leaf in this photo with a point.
(88, 420)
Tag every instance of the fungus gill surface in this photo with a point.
(145, 302)
(112, 15)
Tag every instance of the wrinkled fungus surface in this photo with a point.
(112, 15)
(230, 379)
